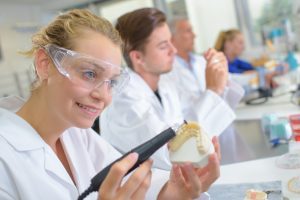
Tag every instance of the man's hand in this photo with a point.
(216, 73)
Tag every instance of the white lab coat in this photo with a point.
(136, 115)
(191, 84)
(29, 169)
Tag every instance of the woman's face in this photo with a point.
(71, 102)
(237, 45)
(159, 51)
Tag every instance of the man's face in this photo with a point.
(184, 36)
(159, 52)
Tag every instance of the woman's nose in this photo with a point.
(102, 93)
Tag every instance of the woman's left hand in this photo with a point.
(187, 182)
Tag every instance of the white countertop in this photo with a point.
(280, 105)
(261, 170)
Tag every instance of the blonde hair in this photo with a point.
(66, 27)
(225, 36)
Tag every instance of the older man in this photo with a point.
(194, 80)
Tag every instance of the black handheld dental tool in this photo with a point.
(144, 151)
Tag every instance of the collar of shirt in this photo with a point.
(185, 63)
(26, 140)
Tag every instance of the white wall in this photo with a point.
(17, 24)
(208, 18)
(114, 10)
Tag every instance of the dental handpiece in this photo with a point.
(144, 151)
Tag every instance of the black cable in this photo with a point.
(86, 193)
(264, 94)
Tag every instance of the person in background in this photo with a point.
(194, 81)
(47, 148)
(232, 43)
(147, 106)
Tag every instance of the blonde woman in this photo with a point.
(232, 43)
(47, 150)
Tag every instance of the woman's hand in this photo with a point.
(134, 188)
(187, 182)
(216, 72)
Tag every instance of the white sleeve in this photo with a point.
(99, 148)
(128, 123)
(5, 196)
(211, 112)
(233, 93)
(6, 183)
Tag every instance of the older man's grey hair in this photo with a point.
(173, 23)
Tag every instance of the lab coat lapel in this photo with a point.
(138, 84)
(169, 98)
(55, 168)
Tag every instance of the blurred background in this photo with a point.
(259, 20)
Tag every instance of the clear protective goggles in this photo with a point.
(87, 71)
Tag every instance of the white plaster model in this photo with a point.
(190, 145)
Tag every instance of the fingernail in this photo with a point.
(133, 156)
(150, 161)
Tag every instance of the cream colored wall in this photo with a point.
(114, 10)
(208, 18)
(16, 26)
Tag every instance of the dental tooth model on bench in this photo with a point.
(256, 195)
(191, 144)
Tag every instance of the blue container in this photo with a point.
(280, 129)
(291, 60)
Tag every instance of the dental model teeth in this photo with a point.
(255, 195)
(191, 144)
(294, 185)
(187, 131)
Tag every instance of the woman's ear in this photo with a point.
(42, 64)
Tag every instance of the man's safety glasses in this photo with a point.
(87, 71)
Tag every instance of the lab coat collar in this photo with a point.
(184, 62)
(139, 84)
(51, 165)
(25, 140)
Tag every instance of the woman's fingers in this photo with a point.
(193, 185)
(138, 182)
(210, 173)
(216, 144)
(116, 173)
(143, 188)
(176, 175)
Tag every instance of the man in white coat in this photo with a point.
(147, 106)
(193, 81)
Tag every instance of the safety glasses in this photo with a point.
(87, 71)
